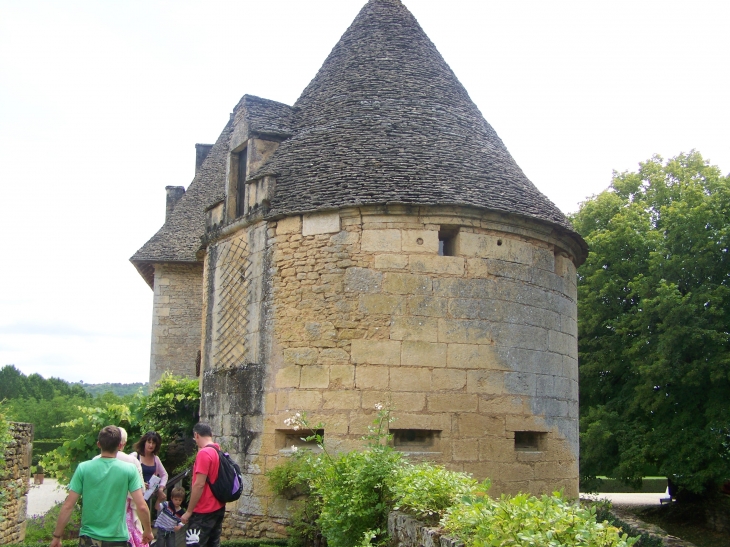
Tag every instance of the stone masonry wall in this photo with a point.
(176, 319)
(475, 352)
(15, 482)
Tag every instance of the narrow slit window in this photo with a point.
(530, 441)
(416, 440)
(288, 440)
(241, 182)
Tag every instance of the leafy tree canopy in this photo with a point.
(16, 385)
(654, 325)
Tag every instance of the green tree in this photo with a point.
(654, 325)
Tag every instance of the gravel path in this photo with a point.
(41, 497)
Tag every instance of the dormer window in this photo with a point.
(241, 181)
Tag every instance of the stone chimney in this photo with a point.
(174, 193)
(201, 152)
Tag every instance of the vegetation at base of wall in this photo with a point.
(39, 528)
(171, 410)
(479, 520)
(345, 500)
(654, 326)
(603, 513)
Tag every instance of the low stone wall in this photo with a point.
(14, 482)
(240, 526)
(406, 531)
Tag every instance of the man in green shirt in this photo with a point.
(103, 484)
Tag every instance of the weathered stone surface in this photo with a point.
(320, 223)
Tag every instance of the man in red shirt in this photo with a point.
(205, 513)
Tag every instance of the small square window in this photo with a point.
(530, 441)
(416, 440)
(447, 240)
(288, 440)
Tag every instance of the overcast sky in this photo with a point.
(101, 104)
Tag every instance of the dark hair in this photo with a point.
(140, 448)
(203, 429)
(109, 438)
(178, 492)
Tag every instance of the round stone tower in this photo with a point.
(376, 243)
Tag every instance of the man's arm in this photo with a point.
(195, 492)
(143, 512)
(63, 517)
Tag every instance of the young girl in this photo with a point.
(168, 517)
(146, 450)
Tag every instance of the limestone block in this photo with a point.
(473, 356)
(301, 356)
(520, 422)
(477, 267)
(491, 246)
(434, 422)
(423, 354)
(497, 449)
(391, 261)
(399, 401)
(428, 305)
(520, 383)
(520, 336)
(332, 356)
(341, 400)
(316, 330)
(376, 352)
(305, 400)
(465, 450)
(502, 404)
(452, 402)
(382, 304)
(314, 376)
(513, 472)
(402, 283)
(288, 377)
(448, 379)
(443, 265)
(545, 385)
(410, 379)
(479, 425)
(455, 331)
(420, 241)
(502, 268)
(342, 376)
(562, 343)
(345, 238)
(320, 223)
(555, 470)
(381, 241)
(544, 259)
(485, 381)
(363, 280)
(371, 377)
(424, 329)
(289, 225)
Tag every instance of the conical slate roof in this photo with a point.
(386, 121)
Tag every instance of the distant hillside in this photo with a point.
(118, 389)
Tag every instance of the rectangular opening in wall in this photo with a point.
(447, 240)
(241, 181)
(288, 440)
(530, 441)
(416, 440)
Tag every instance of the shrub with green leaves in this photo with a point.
(39, 528)
(426, 490)
(525, 520)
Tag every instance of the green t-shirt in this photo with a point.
(103, 484)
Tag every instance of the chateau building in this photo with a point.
(374, 242)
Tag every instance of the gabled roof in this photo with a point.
(179, 238)
(386, 120)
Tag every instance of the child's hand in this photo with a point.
(178, 527)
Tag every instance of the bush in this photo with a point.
(39, 528)
(427, 491)
(530, 521)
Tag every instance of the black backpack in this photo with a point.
(229, 484)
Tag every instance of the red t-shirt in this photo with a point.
(207, 463)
